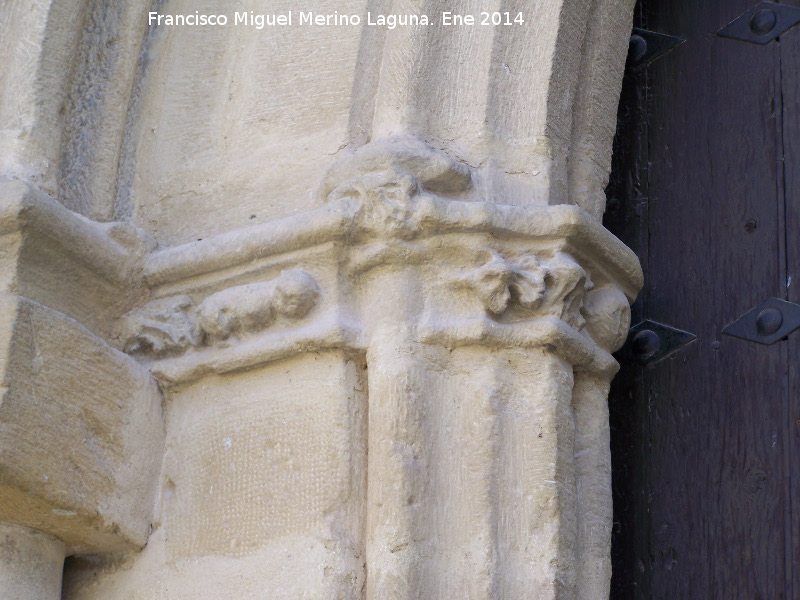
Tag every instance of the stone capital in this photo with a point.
(478, 337)
(473, 273)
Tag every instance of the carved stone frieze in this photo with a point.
(169, 326)
(252, 307)
(395, 203)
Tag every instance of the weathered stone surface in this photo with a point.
(81, 422)
(88, 271)
(81, 432)
(31, 563)
(263, 487)
(363, 263)
(68, 75)
(486, 468)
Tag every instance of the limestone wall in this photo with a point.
(308, 310)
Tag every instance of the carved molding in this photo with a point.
(172, 325)
(399, 197)
(536, 274)
(545, 332)
(91, 272)
(326, 333)
(392, 202)
(111, 250)
(533, 287)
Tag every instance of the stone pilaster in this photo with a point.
(31, 563)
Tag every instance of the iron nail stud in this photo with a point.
(767, 323)
(648, 342)
(645, 46)
(762, 23)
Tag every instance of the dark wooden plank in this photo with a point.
(626, 216)
(715, 456)
(706, 445)
(718, 504)
(789, 46)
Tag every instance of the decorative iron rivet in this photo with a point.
(637, 48)
(768, 321)
(715, 345)
(646, 46)
(762, 24)
(646, 343)
(763, 21)
(751, 226)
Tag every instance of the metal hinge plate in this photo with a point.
(762, 23)
(648, 342)
(767, 323)
(646, 46)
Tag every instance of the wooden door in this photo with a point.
(706, 190)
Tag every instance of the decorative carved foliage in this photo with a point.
(566, 284)
(399, 201)
(529, 283)
(553, 286)
(172, 325)
(392, 179)
(431, 169)
(492, 283)
(387, 198)
(161, 328)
